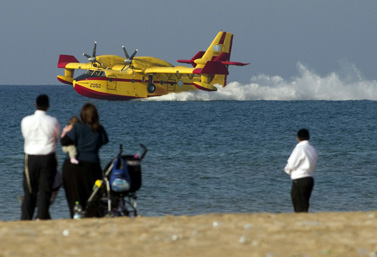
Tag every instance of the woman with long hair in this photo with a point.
(88, 136)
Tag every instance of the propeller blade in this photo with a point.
(128, 59)
(93, 58)
(94, 49)
(125, 52)
(125, 67)
(133, 55)
(98, 62)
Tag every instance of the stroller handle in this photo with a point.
(145, 150)
(120, 151)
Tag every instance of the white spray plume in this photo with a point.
(346, 84)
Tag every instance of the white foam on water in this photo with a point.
(345, 84)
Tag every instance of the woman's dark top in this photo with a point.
(87, 141)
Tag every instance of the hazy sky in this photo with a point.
(274, 36)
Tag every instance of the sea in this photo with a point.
(220, 152)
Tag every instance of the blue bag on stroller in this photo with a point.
(120, 179)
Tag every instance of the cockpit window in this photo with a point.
(91, 74)
(96, 73)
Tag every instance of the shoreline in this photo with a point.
(257, 234)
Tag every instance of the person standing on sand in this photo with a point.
(88, 136)
(300, 167)
(41, 135)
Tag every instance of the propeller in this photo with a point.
(129, 59)
(92, 58)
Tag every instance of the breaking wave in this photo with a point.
(346, 84)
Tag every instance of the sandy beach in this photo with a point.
(262, 234)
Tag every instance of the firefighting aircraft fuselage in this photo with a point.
(113, 77)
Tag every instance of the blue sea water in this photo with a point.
(219, 153)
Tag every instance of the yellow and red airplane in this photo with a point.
(113, 77)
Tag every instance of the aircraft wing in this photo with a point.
(78, 66)
(169, 70)
(209, 67)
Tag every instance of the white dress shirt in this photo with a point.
(41, 133)
(302, 161)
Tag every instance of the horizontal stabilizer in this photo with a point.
(65, 59)
(224, 59)
(204, 86)
(236, 63)
(192, 61)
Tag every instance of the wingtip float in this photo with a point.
(111, 77)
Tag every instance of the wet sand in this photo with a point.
(262, 234)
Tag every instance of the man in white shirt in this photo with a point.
(300, 167)
(41, 135)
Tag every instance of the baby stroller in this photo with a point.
(115, 194)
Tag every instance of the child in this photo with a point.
(70, 149)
